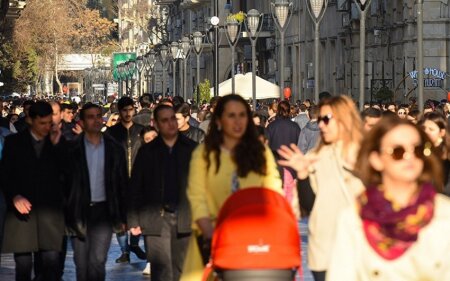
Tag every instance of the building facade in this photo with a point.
(391, 43)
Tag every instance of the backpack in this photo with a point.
(256, 230)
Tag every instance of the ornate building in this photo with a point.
(391, 36)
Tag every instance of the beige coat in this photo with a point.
(335, 188)
(428, 259)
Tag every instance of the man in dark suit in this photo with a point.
(95, 205)
(127, 133)
(32, 183)
(158, 205)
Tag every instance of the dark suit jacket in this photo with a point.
(120, 134)
(146, 187)
(40, 180)
(79, 193)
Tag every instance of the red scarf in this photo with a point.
(391, 232)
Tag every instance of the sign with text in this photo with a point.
(434, 78)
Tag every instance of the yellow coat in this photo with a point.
(207, 191)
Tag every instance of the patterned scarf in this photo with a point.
(390, 231)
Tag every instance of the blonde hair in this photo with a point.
(111, 117)
(349, 119)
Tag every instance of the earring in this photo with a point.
(219, 128)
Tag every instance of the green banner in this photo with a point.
(119, 58)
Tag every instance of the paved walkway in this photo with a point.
(126, 272)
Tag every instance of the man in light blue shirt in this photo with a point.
(95, 201)
(95, 156)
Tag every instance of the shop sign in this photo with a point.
(433, 77)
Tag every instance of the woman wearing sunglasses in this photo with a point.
(398, 229)
(402, 112)
(328, 168)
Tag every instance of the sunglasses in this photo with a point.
(326, 119)
(399, 152)
(113, 120)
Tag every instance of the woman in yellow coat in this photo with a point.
(231, 158)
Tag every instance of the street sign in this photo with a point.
(119, 58)
(98, 85)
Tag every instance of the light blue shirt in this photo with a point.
(95, 156)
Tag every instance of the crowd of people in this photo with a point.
(373, 183)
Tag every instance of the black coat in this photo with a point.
(40, 180)
(79, 192)
(282, 132)
(194, 134)
(144, 117)
(129, 139)
(146, 186)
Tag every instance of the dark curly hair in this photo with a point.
(248, 153)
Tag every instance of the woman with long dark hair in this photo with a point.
(435, 126)
(398, 228)
(231, 158)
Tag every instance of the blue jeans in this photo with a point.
(122, 239)
(91, 253)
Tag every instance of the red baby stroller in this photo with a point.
(256, 238)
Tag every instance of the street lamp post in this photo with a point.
(254, 22)
(131, 72)
(120, 70)
(233, 33)
(163, 58)
(198, 48)
(186, 48)
(139, 68)
(363, 6)
(420, 52)
(127, 75)
(215, 23)
(149, 66)
(174, 50)
(281, 13)
(316, 9)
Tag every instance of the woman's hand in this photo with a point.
(22, 204)
(296, 160)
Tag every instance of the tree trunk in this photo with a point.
(57, 76)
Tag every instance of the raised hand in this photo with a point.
(22, 204)
(77, 129)
(136, 231)
(296, 160)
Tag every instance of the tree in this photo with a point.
(92, 34)
(151, 19)
(384, 94)
(19, 69)
(205, 91)
(56, 27)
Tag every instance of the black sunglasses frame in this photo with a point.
(326, 119)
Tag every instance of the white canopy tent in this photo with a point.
(243, 86)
